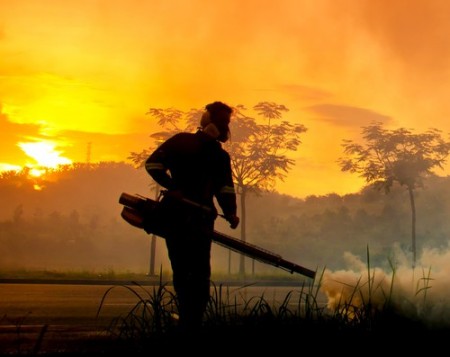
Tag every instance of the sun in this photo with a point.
(45, 155)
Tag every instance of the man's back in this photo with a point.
(198, 166)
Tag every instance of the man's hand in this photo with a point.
(233, 220)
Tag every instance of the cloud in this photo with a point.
(71, 143)
(416, 32)
(301, 92)
(11, 134)
(341, 115)
(103, 146)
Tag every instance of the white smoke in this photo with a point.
(421, 292)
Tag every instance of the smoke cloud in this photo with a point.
(418, 292)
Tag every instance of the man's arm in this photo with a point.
(226, 196)
(156, 168)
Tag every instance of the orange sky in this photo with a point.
(75, 72)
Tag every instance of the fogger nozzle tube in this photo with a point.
(142, 212)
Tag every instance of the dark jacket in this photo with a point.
(197, 166)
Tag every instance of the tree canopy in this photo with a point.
(396, 156)
(258, 146)
(399, 155)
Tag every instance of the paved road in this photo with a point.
(64, 303)
(65, 311)
(77, 302)
(62, 314)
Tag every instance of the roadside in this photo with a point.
(156, 281)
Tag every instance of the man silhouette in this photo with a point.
(194, 167)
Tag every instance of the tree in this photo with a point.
(396, 156)
(170, 120)
(258, 151)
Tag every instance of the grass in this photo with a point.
(368, 317)
(234, 323)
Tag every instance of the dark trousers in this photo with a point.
(189, 250)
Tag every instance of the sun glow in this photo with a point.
(44, 154)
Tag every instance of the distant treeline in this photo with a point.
(69, 219)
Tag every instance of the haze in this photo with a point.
(77, 77)
(73, 224)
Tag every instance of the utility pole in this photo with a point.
(159, 138)
(151, 271)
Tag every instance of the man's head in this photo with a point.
(216, 120)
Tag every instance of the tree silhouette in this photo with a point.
(258, 151)
(165, 118)
(400, 156)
